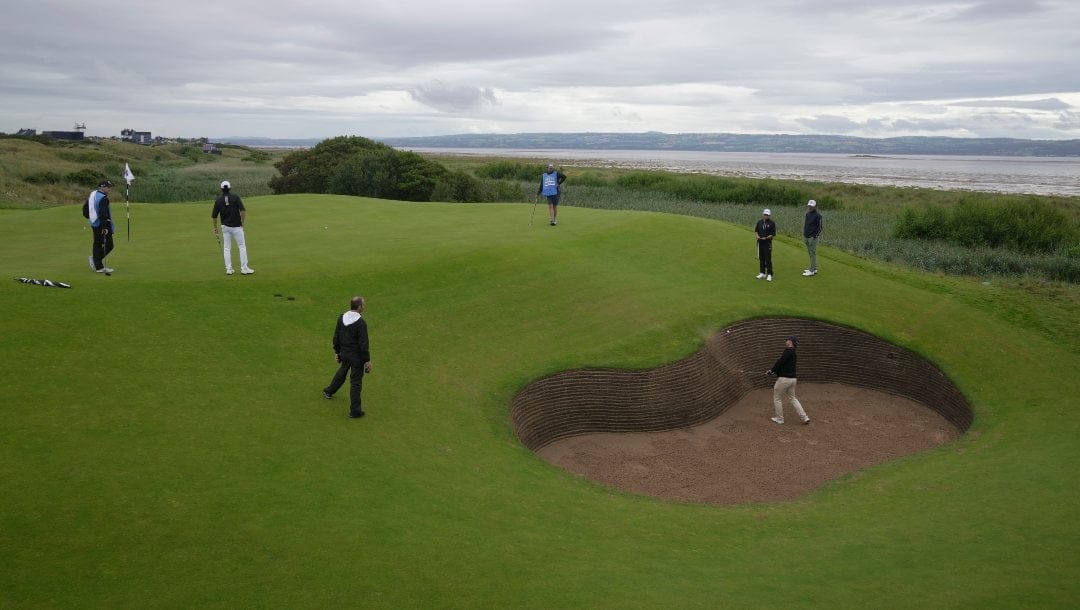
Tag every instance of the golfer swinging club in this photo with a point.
(784, 369)
(550, 186)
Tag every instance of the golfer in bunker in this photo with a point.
(784, 369)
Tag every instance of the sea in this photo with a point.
(1030, 175)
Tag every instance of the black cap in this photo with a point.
(104, 183)
(794, 339)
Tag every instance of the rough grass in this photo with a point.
(164, 173)
(165, 444)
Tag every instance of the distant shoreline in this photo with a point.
(1049, 176)
(715, 142)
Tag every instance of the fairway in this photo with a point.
(165, 443)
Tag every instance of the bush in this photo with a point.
(511, 170)
(310, 171)
(43, 178)
(1029, 226)
(458, 186)
(717, 189)
(85, 177)
(357, 166)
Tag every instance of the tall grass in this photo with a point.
(863, 232)
(38, 174)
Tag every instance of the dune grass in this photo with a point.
(165, 445)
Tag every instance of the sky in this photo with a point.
(382, 68)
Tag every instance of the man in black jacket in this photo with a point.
(765, 229)
(784, 369)
(351, 351)
(811, 230)
(233, 216)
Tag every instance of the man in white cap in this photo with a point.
(232, 212)
(765, 229)
(551, 187)
(811, 231)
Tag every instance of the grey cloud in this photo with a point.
(830, 124)
(453, 98)
(1051, 103)
(201, 59)
(916, 125)
(1068, 121)
(1000, 9)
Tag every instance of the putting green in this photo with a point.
(165, 443)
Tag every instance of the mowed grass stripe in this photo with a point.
(165, 443)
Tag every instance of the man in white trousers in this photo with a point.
(232, 212)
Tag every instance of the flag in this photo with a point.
(128, 176)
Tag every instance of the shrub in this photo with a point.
(84, 177)
(43, 178)
(310, 171)
(511, 170)
(350, 165)
(1030, 226)
(717, 189)
(458, 186)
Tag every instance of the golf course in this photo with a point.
(165, 442)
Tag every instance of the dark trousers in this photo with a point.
(103, 245)
(764, 254)
(356, 384)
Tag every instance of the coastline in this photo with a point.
(1051, 176)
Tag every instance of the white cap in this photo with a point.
(767, 212)
(225, 184)
(812, 203)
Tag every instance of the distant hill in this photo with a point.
(730, 142)
(257, 142)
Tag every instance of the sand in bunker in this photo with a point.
(742, 457)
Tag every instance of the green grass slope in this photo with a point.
(164, 442)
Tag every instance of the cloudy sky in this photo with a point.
(379, 68)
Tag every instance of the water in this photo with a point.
(1034, 175)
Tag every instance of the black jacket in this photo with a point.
(351, 337)
(229, 207)
(765, 228)
(812, 225)
(785, 366)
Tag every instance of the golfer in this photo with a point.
(765, 230)
(101, 223)
(351, 351)
(784, 369)
(811, 231)
(233, 216)
(551, 187)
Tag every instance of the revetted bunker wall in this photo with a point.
(704, 385)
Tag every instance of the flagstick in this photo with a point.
(128, 178)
